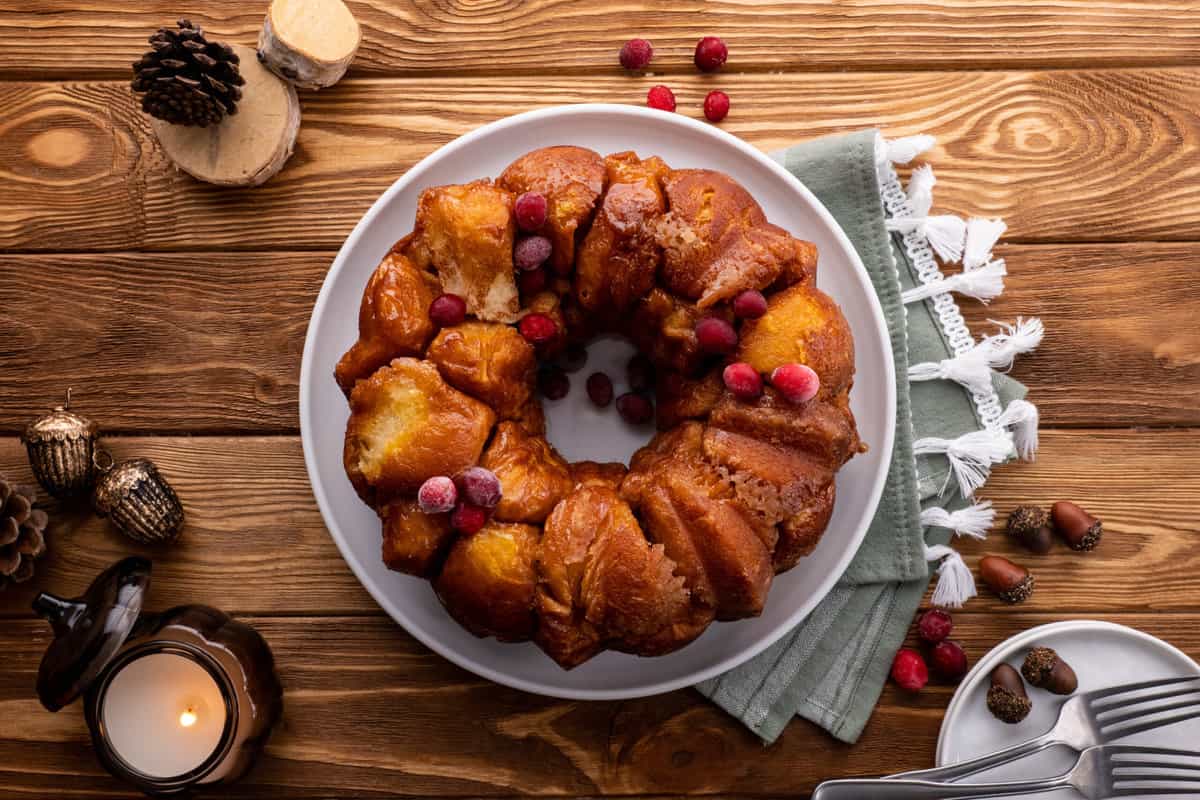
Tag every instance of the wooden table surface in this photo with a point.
(178, 310)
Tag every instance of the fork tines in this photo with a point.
(1115, 707)
(1152, 771)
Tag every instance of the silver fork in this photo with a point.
(1103, 772)
(1088, 719)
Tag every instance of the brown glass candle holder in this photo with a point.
(176, 701)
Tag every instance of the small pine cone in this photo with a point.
(22, 532)
(186, 79)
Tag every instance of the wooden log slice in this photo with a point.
(309, 42)
(247, 148)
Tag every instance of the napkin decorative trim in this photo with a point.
(928, 238)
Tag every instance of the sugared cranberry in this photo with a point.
(467, 518)
(909, 671)
(574, 358)
(636, 54)
(530, 209)
(600, 389)
(660, 97)
(640, 372)
(533, 281)
(447, 311)
(949, 660)
(531, 252)
(479, 486)
(537, 328)
(553, 383)
(635, 408)
(716, 106)
(715, 335)
(749, 304)
(743, 380)
(711, 53)
(934, 625)
(796, 382)
(437, 495)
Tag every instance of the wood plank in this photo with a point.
(81, 170)
(58, 39)
(255, 542)
(368, 712)
(115, 325)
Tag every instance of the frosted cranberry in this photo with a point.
(437, 495)
(749, 304)
(531, 252)
(636, 54)
(635, 408)
(660, 97)
(640, 372)
(479, 486)
(909, 671)
(934, 625)
(743, 380)
(553, 383)
(537, 328)
(447, 311)
(467, 518)
(715, 335)
(600, 389)
(575, 357)
(949, 660)
(711, 53)
(530, 209)
(716, 106)
(796, 382)
(533, 281)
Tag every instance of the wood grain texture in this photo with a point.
(211, 342)
(58, 39)
(370, 713)
(255, 542)
(80, 170)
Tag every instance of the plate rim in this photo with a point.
(871, 502)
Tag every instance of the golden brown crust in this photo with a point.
(489, 361)
(604, 473)
(679, 398)
(533, 476)
(488, 581)
(800, 534)
(413, 541)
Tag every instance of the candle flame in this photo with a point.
(188, 718)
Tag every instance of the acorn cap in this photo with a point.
(59, 425)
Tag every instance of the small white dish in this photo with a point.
(576, 429)
(1102, 654)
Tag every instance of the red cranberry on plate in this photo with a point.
(447, 310)
(530, 210)
(600, 389)
(634, 408)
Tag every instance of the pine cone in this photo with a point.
(186, 79)
(22, 532)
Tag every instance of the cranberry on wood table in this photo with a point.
(177, 310)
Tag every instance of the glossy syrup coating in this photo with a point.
(488, 361)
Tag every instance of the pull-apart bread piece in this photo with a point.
(571, 179)
(488, 581)
(393, 319)
(533, 476)
(489, 361)
(413, 541)
(465, 233)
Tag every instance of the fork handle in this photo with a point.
(891, 789)
(952, 772)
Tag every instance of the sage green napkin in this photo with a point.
(832, 667)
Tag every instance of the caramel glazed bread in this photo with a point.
(586, 557)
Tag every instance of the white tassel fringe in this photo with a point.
(971, 455)
(945, 233)
(974, 521)
(1021, 417)
(972, 369)
(905, 149)
(956, 584)
(982, 284)
(982, 235)
(1022, 337)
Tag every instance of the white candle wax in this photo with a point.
(163, 714)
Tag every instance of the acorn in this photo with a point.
(1011, 582)
(1006, 698)
(1045, 670)
(1029, 525)
(1079, 529)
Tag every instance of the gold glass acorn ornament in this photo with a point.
(61, 447)
(138, 499)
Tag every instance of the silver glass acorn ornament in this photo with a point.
(61, 447)
(135, 496)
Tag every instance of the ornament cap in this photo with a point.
(60, 425)
(89, 630)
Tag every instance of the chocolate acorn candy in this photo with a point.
(1006, 698)
(1045, 670)
(138, 500)
(1079, 529)
(61, 446)
(1029, 526)
(1011, 582)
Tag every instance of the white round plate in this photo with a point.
(1102, 654)
(579, 431)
